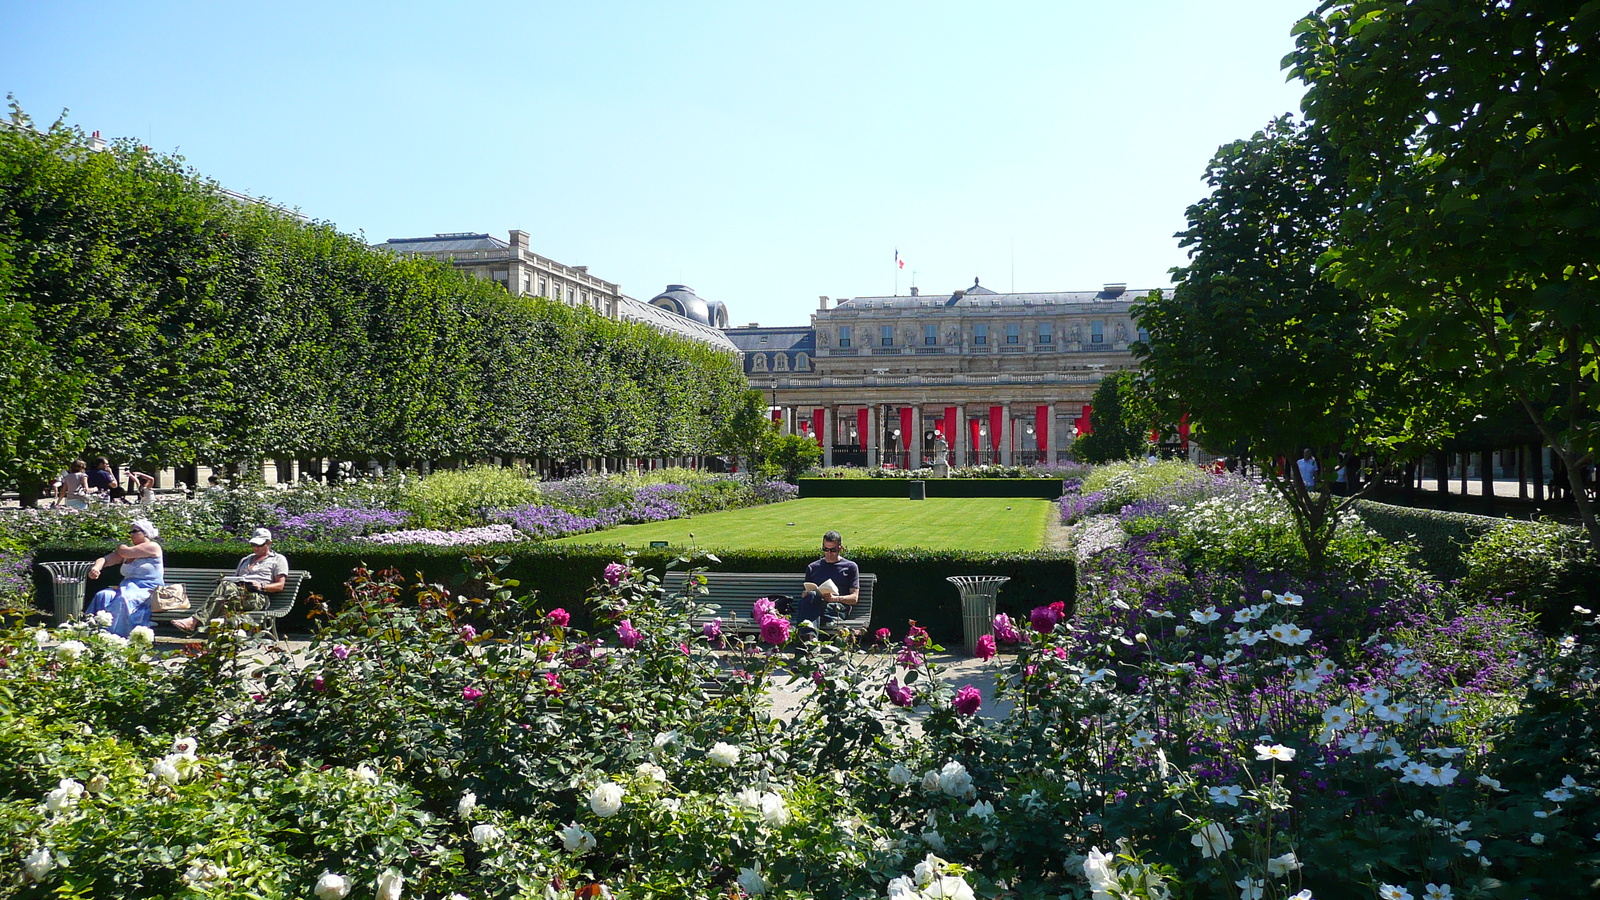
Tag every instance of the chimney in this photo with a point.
(822, 301)
(914, 291)
(519, 239)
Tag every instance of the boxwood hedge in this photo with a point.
(911, 583)
(1044, 488)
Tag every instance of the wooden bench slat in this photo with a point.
(733, 595)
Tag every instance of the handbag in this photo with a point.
(169, 598)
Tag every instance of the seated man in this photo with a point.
(844, 574)
(263, 572)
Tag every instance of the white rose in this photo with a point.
(902, 889)
(651, 771)
(64, 797)
(38, 864)
(70, 649)
(954, 780)
(366, 775)
(41, 637)
(983, 809)
(899, 774)
(773, 810)
(485, 834)
(390, 884)
(467, 803)
(166, 770)
(952, 887)
(930, 781)
(724, 755)
(115, 640)
(606, 799)
(577, 839)
(749, 798)
(331, 887)
(750, 879)
(142, 634)
(103, 619)
(1097, 868)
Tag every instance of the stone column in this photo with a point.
(872, 440)
(830, 422)
(913, 441)
(1005, 433)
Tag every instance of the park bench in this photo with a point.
(199, 583)
(733, 595)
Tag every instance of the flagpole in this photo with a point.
(896, 272)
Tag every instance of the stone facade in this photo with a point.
(1004, 378)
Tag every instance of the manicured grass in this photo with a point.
(989, 523)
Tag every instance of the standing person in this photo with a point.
(1308, 469)
(264, 571)
(73, 488)
(142, 572)
(845, 575)
(142, 486)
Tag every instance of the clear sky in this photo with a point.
(762, 153)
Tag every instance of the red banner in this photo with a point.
(861, 427)
(816, 424)
(906, 440)
(1041, 428)
(977, 446)
(1183, 430)
(950, 427)
(1088, 423)
(997, 416)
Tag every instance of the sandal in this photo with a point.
(187, 625)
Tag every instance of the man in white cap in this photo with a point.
(264, 571)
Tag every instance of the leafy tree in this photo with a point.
(1472, 134)
(793, 454)
(748, 433)
(38, 398)
(1118, 427)
(1266, 355)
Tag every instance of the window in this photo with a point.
(759, 364)
(1097, 333)
(780, 362)
(887, 333)
(802, 362)
(544, 288)
(1013, 333)
(527, 282)
(980, 334)
(844, 335)
(1144, 334)
(1045, 335)
(930, 335)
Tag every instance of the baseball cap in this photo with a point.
(261, 536)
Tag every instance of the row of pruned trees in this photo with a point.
(148, 317)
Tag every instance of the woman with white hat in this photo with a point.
(142, 572)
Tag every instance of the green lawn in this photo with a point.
(993, 524)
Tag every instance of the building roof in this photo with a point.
(792, 339)
(631, 310)
(979, 296)
(445, 243)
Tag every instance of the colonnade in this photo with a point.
(899, 434)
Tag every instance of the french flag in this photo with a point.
(897, 260)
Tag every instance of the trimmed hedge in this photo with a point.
(911, 583)
(1439, 537)
(1042, 488)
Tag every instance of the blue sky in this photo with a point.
(762, 153)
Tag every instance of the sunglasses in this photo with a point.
(832, 549)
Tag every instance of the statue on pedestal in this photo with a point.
(941, 457)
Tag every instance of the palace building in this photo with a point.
(1003, 378)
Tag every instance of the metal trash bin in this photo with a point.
(919, 489)
(978, 594)
(68, 577)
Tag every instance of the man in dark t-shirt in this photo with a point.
(845, 575)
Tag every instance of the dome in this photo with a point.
(681, 299)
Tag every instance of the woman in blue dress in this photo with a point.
(142, 572)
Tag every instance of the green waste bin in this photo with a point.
(978, 595)
(919, 489)
(68, 579)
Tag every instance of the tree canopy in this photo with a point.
(206, 329)
(1471, 129)
(1118, 425)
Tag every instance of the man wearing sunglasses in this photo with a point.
(845, 575)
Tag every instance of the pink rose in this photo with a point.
(909, 658)
(558, 617)
(627, 634)
(471, 694)
(967, 700)
(882, 634)
(318, 685)
(712, 630)
(552, 685)
(614, 573)
(1005, 631)
(1044, 619)
(340, 651)
(763, 609)
(775, 630)
(467, 632)
(985, 649)
(898, 694)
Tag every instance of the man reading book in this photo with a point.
(831, 579)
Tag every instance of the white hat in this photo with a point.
(261, 536)
(146, 526)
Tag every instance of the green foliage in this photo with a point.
(1019, 486)
(1119, 430)
(793, 454)
(1130, 481)
(459, 498)
(1469, 129)
(217, 331)
(1438, 538)
(1541, 565)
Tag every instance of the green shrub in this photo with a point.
(1138, 480)
(457, 498)
(1438, 537)
(1542, 566)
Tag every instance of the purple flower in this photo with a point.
(882, 634)
(628, 635)
(985, 649)
(1005, 631)
(909, 658)
(712, 630)
(775, 630)
(762, 609)
(967, 700)
(471, 694)
(614, 573)
(898, 694)
(558, 617)
(552, 684)
(318, 685)
(467, 632)
(340, 651)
